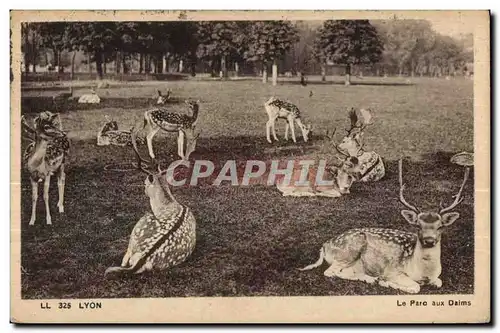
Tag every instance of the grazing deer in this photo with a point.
(44, 157)
(162, 99)
(162, 238)
(278, 109)
(342, 176)
(184, 125)
(111, 135)
(395, 258)
(371, 164)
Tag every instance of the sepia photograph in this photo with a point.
(214, 156)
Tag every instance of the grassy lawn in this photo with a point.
(250, 240)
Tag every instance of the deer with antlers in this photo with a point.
(371, 164)
(184, 125)
(162, 99)
(395, 258)
(278, 109)
(163, 237)
(44, 157)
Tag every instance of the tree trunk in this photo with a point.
(124, 63)
(117, 62)
(275, 72)
(165, 63)
(141, 61)
(223, 66)
(181, 66)
(264, 73)
(347, 75)
(98, 65)
(323, 72)
(88, 63)
(26, 49)
(236, 69)
(73, 66)
(378, 71)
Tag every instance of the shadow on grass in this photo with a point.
(39, 104)
(341, 83)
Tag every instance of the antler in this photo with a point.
(458, 198)
(140, 160)
(365, 121)
(28, 130)
(332, 138)
(402, 187)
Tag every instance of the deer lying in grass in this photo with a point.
(371, 164)
(44, 157)
(162, 238)
(162, 99)
(395, 258)
(111, 135)
(91, 98)
(183, 125)
(341, 177)
(278, 109)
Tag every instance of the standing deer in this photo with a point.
(395, 258)
(371, 164)
(278, 109)
(161, 119)
(45, 157)
(162, 238)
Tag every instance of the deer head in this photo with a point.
(349, 146)
(191, 139)
(352, 143)
(193, 105)
(111, 125)
(346, 173)
(48, 125)
(156, 185)
(429, 224)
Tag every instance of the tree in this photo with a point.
(268, 42)
(348, 43)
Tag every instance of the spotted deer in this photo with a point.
(278, 109)
(162, 99)
(163, 237)
(161, 119)
(393, 258)
(371, 164)
(340, 178)
(44, 157)
(110, 134)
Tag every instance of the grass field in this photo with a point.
(250, 240)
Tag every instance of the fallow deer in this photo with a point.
(45, 157)
(371, 164)
(111, 135)
(161, 119)
(278, 109)
(162, 99)
(163, 237)
(393, 258)
(341, 177)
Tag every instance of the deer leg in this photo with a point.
(180, 144)
(34, 199)
(292, 128)
(149, 140)
(46, 186)
(436, 283)
(356, 272)
(126, 257)
(274, 130)
(61, 180)
(269, 124)
(402, 282)
(287, 127)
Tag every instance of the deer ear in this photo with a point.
(410, 216)
(449, 218)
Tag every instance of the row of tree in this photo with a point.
(405, 46)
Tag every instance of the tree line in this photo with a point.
(408, 47)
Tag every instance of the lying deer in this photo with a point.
(44, 157)
(278, 109)
(161, 119)
(342, 177)
(371, 164)
(395, 258)
(111, 135)
(162, 99)
(162, 238)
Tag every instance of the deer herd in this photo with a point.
(165, 236)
